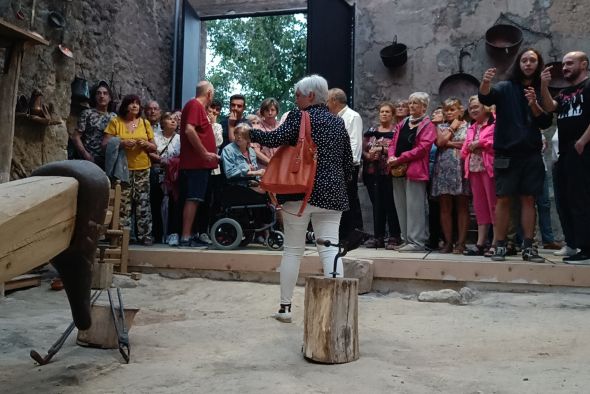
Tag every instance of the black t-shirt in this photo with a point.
(573, 114)
(518, 131)
(406, 139)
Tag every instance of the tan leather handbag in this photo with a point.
(292, 169)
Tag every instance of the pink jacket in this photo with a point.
(486, 141)
(417, 157)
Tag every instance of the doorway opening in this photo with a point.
(258, 56)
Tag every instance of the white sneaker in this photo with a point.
(284, 314)
(566, 251)
(173, 239)
(203, 237)
(411, 248)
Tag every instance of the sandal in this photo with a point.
(459, 249)
(392, 243)
(374, 243)
(447, 248)
(478, 250)
(490, 252)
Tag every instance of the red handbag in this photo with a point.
(292, 169)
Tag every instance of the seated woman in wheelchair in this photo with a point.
(239, 160)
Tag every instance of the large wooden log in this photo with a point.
(37, 218)
(331, 320)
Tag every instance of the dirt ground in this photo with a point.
(201, 336)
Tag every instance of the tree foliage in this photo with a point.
(259, 57)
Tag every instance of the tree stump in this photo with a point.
(330, 333)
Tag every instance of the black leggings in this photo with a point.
(380, 189)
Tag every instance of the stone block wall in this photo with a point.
(435, 32)
(126, 41)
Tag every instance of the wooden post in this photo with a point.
(13, 38)
(102, 275)
(330, 333)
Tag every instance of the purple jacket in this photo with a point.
(486, 142)
(417, 157)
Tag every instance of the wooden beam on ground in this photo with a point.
(515, 272)
(23, 282)
(239, 261)
(388, 267)
(37, 218)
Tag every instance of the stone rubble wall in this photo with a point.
(435, 31)
(127, 41)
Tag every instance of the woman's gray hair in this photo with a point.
(421, 97)
(316, 84)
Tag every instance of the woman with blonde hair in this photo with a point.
(449, 184)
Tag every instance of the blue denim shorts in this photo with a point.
(193, 184)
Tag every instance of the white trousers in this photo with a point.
(325, 224)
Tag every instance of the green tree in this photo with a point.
(259, 57)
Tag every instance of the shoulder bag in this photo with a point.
(292, 169)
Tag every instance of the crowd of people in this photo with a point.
(421, 169)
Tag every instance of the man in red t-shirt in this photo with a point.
(198, 156)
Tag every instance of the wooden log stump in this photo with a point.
(330, 333)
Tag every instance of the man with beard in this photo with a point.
(518, 166)
(572, 106)
(237, 106)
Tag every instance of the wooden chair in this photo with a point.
(116, 242)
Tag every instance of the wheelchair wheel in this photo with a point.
(275, 240)
(226, 234)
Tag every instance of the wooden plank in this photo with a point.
(23, 281)
(16, 33)
(37, 218)
(124, 250)
(484, 271)
(223, 8)
(476, 270)
(8, 94)
(216, 260)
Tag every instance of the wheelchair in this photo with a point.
(242, 213)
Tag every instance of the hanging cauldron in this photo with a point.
(503, 40)
(460, 85)
(394, 55)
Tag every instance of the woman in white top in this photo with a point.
(168, 146)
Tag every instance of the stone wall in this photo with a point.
(435, 32)
(126, 41)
